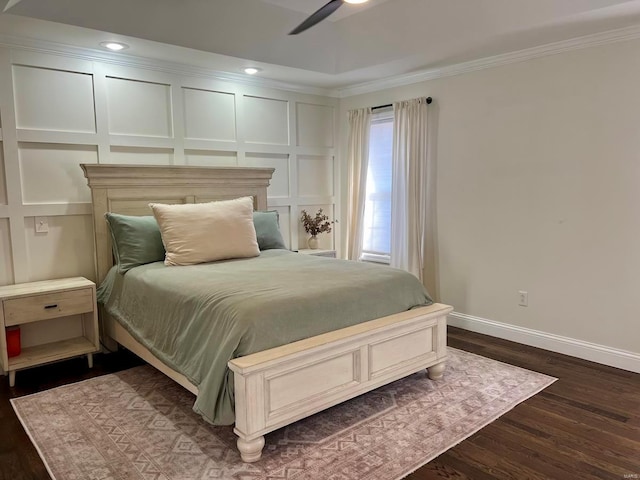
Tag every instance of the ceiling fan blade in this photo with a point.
(318, 16)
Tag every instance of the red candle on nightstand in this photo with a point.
(13, 341)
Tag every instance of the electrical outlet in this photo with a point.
(42, 225)
(523, 298)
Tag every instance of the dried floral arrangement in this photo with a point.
(315, 225)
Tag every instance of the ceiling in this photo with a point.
(310, 6)
(362, 43)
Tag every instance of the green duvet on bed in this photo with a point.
(196, 318)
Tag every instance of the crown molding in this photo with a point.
(592, 40)
(176, 68)
(133, 61)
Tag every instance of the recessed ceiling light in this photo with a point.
(251, 70)
(114, 46)
(356, 1)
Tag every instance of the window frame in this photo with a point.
(383, 115)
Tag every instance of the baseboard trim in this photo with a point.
(548, 341)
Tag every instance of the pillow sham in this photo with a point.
(136, 240)
(206, 232)
(268, 230)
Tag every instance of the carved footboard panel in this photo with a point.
(276, 387)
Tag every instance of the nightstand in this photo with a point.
(318, 252)
(38, 302)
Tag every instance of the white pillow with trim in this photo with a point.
(205, 232)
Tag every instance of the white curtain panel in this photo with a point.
(358, 160)
(412, 220)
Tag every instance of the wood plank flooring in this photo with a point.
(584, 426)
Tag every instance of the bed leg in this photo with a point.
(436, 372)
(108, 344)
(250, 450)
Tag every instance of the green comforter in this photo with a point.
(196, 318)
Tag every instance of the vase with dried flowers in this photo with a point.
(314, 225)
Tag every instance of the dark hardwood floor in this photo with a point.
(584, 426)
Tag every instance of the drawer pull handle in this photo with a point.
(50, 306)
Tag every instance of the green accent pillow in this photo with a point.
(136, 240)
(268, 231)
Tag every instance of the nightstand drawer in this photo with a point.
(43, 307)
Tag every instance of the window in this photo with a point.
(376, 245)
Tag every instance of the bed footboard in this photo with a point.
(279, 386)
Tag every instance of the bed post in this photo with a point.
(250, 450)
(436, 372)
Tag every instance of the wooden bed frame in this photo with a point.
(279, 386)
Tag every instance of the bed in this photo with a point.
(280, 385)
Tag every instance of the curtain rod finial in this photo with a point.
(429, 100)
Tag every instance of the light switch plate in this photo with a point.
(42, 225)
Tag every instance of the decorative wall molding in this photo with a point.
(548, 341)
(585, 41)
(593, 40)
(61, 110)
(174, 68)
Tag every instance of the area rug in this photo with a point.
(138, 424)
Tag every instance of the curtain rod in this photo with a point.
(429, 100)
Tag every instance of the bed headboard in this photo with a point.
(128, 189)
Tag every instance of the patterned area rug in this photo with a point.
(138, 424)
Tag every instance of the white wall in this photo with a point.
(539, 190)
(58, 111)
